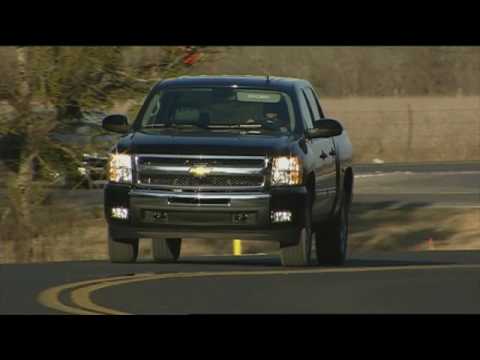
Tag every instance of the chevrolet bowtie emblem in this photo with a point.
(200, 170)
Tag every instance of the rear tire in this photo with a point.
(122, 250)
(299, 254)
(166, 250)
(331, 241)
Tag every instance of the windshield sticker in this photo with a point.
(258, 97)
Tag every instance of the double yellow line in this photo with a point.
(80, 293)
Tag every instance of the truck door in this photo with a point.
(324, 161)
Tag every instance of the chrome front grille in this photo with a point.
(201, 173)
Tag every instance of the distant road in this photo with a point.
(429, 184)
(427, 167)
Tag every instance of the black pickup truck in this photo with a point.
(230, 157)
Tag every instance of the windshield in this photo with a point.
(220, 109)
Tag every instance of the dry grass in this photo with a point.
(383, 127)
(64, 233)
(415, 229)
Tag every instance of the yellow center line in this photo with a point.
(51, 297)
(82, 296)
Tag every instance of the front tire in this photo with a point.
(299, 254)
(122, 250)
(166, 250)
(331, 242)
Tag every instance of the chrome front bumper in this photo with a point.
(221, 215)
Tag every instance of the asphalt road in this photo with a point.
(413, 282)
(418, 185)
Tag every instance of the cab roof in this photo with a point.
(272, 82)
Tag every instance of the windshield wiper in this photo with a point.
(188, 125)
(171, 125)
(236, 126)
(154, 126)
(248, 127)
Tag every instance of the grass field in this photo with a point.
(410, 129)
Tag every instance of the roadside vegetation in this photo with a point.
(43, 89)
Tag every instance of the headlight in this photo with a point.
(120, 168)
(286, 170)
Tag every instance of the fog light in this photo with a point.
(281, 216)
(120, 213)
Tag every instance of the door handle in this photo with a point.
(332, 152)
(323, 156)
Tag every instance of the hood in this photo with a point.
(210, 143)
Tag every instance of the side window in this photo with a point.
(313, 104)
(153, 109)
(315, 97)
(306, 111)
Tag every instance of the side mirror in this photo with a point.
(325, 128)
(116, 123)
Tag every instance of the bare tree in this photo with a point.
(40, 88)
